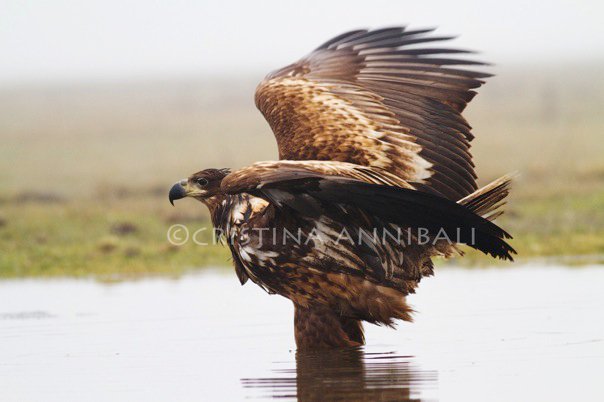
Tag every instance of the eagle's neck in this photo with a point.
(217, 205)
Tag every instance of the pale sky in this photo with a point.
(64, 40)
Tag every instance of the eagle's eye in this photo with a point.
(202, 182)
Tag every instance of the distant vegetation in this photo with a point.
(85, 170)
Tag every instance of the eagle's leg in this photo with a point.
(318, 327)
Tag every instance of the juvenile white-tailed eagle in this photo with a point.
(372, 145)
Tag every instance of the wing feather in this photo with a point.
(312, 188)
(261, 173)
(372, 98)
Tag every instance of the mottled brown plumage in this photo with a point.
(370, 137)
(368, 98)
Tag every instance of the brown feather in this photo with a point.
(365, 98)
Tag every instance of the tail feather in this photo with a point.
(488, 201)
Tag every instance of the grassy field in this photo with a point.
(85, 169)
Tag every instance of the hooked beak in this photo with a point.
(177, 192)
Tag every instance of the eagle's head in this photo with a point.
(202, 185)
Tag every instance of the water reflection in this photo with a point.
(350, 375)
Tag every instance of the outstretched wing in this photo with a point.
(311, 193)
(371, 98)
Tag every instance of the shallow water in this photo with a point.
(529, 333)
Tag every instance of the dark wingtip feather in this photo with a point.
(404, 207)
(341, 37)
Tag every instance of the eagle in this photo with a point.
(372, 144)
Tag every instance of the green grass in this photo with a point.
(105, 240)
(564, 227)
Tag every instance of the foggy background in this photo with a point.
(49, 41)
